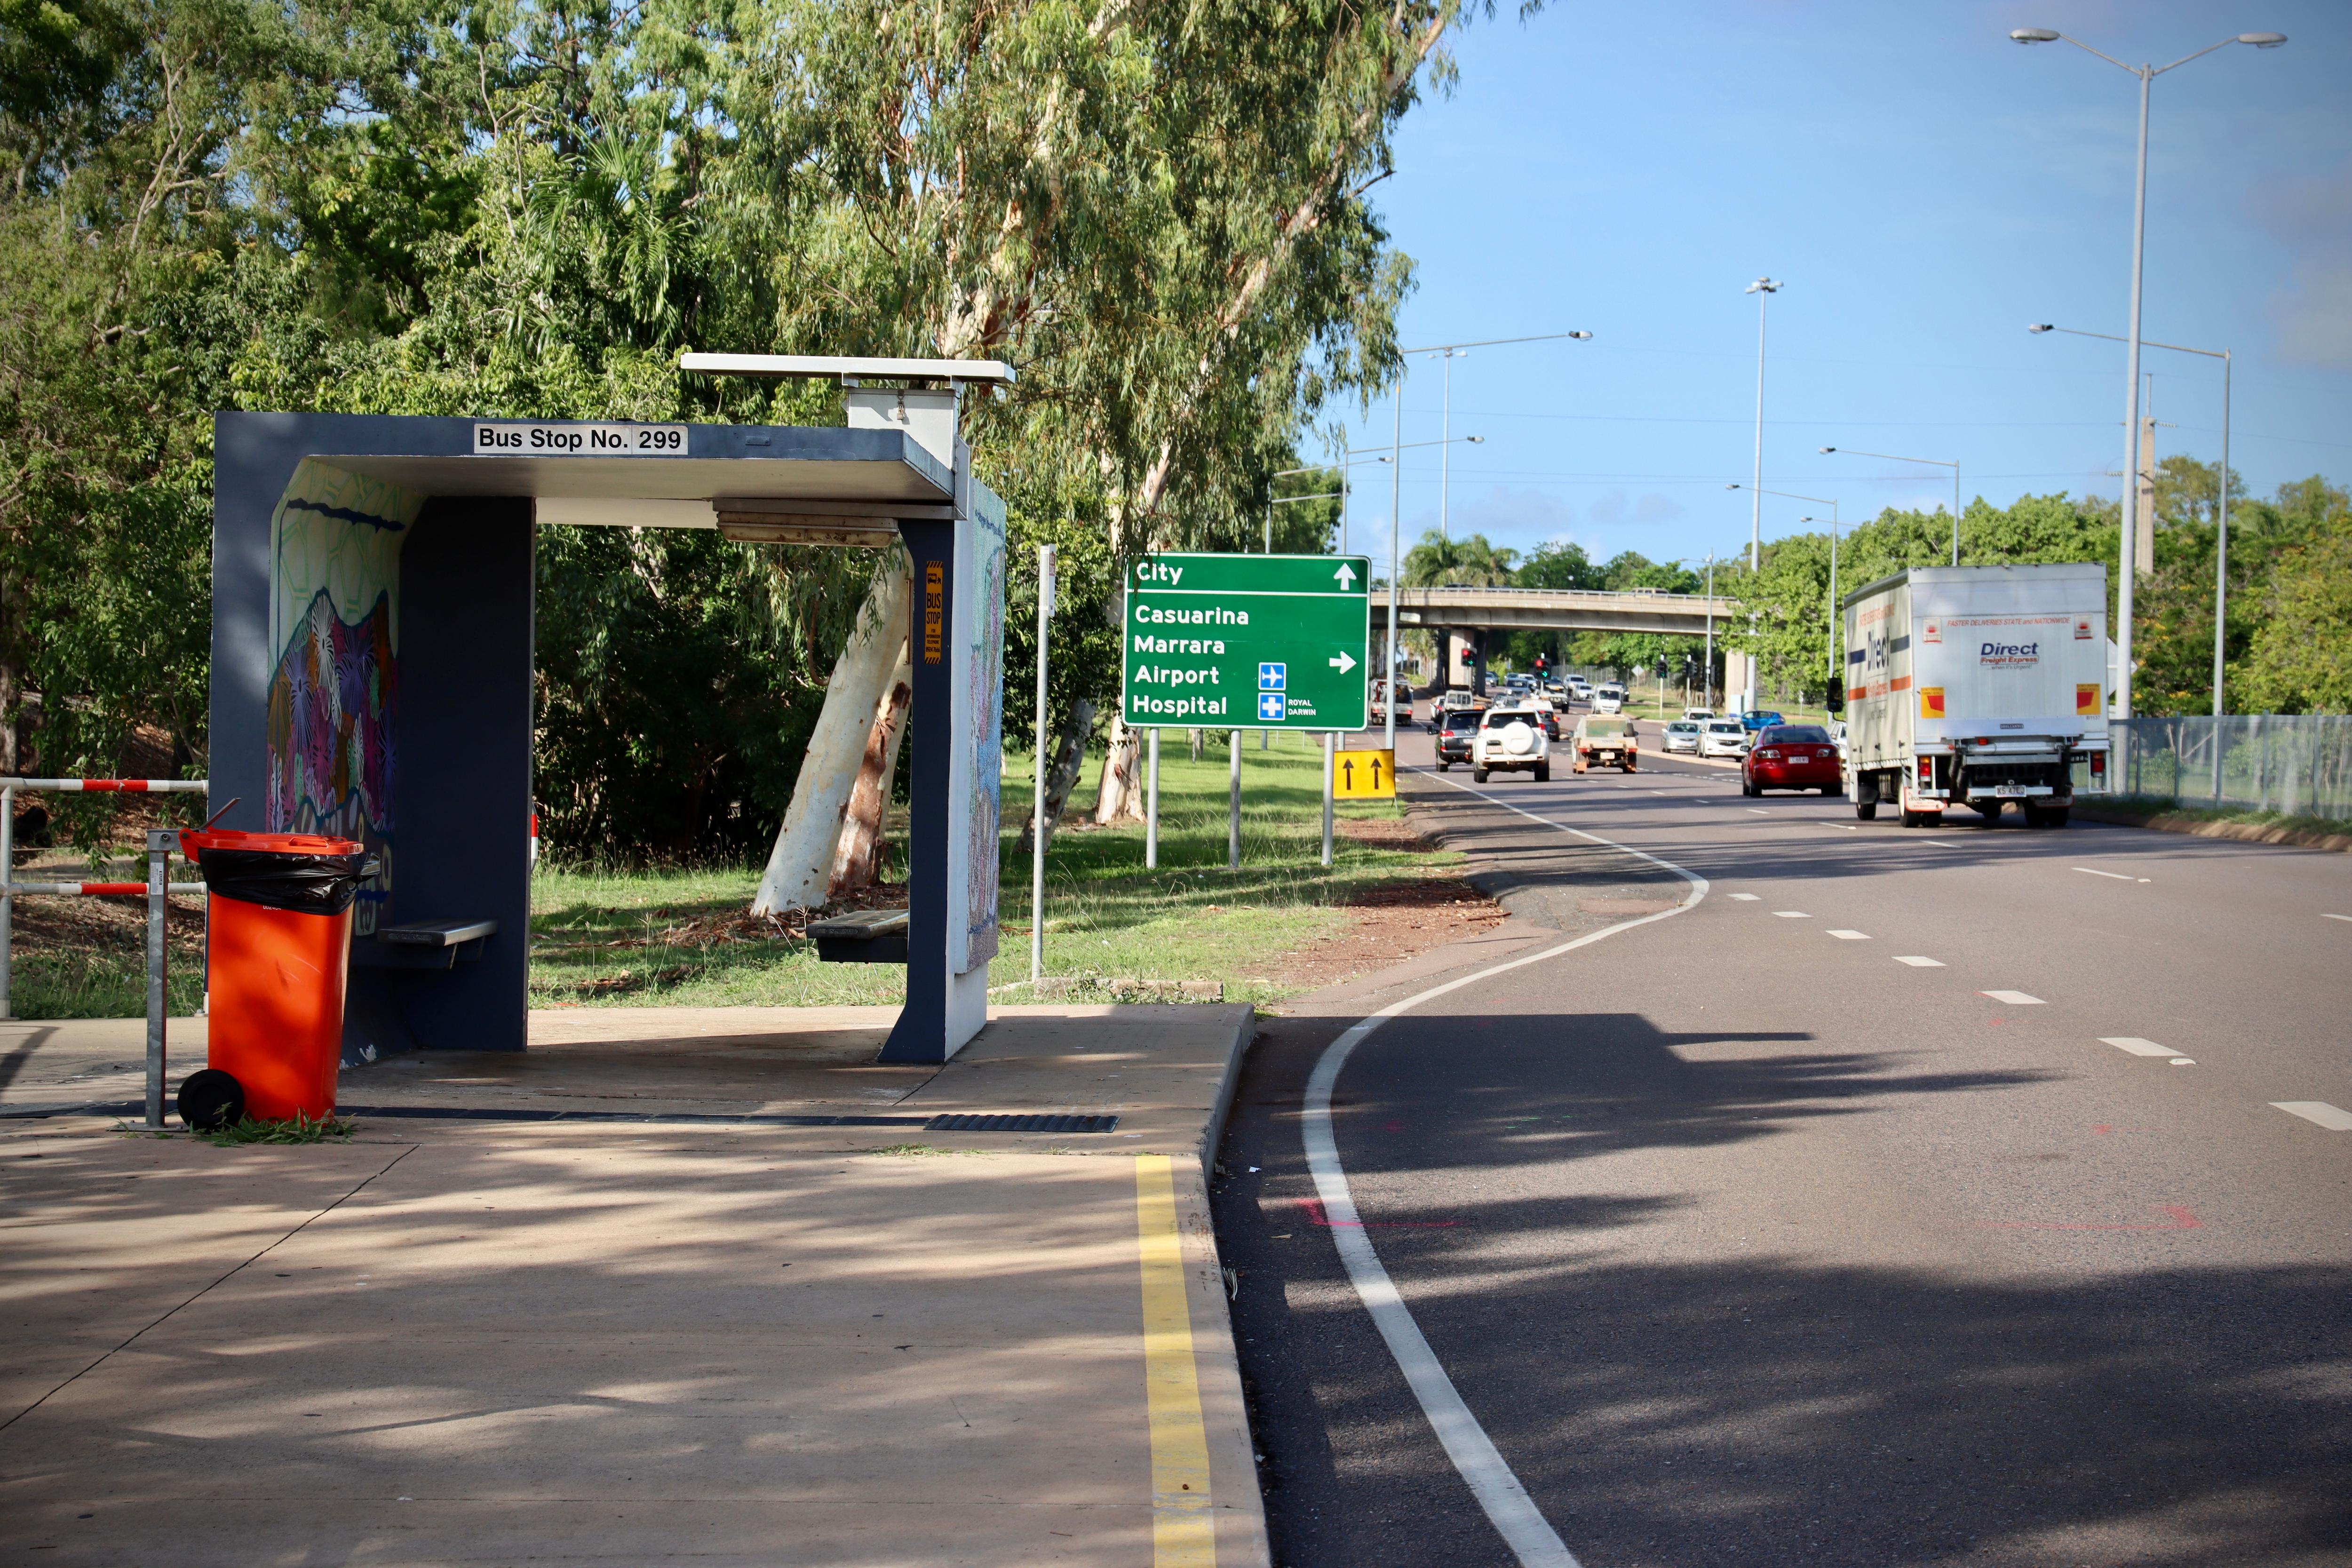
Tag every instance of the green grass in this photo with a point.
(85, 984)
(2140, 809)
(604, 938)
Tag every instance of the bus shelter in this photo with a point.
(372, 673)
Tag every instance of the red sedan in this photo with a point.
(1791, 756)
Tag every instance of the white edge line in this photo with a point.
(1488, 1474)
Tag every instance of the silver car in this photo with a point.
(1682, 735)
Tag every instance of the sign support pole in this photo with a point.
(1151, 807)
(1233, 815)
(1330, 756)
(1037, 829)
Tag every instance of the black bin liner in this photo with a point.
(279, 879)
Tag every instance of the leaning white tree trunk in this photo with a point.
(800, 867)
(857, 860)
(1118, 798)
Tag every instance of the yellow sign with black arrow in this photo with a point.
(1363, 776)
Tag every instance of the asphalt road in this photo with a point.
(1748, 1241)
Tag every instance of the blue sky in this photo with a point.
(1924, 188)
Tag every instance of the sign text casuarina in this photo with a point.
(1248, 642)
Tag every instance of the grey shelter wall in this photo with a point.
(463, 794)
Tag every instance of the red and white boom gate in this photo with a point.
(160, 846)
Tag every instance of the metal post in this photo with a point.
(1233, 818)
(7, 881)
(1037, 830)
(2221, 566)
(159, 854)
(2129, 566)
(1956, 514)
(1151, 807)
(1330, 761)
(1763, 289)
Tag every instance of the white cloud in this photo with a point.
(1655, 508)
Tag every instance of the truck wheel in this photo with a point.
(2045, 815)
(1865, 811)
(1915, 819)
(1478, 775)
(1543, 772)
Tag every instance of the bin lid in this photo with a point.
(194, 842)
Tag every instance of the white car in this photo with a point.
(1699, 713)
(1682, 735)
(1510, 740)
(1608, 699)
(1723, 738)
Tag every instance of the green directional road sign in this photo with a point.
(1248, 642)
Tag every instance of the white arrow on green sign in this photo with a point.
(1248, 642)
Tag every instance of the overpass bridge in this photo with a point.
(1552, 609)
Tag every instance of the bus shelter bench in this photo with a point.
(868, 936)
(423, 944)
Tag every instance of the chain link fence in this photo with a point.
(2297, 764)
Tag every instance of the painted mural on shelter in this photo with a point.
(979, 612)
(334, 619)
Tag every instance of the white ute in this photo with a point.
(1511, 738)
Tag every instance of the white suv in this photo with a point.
(1513, 740)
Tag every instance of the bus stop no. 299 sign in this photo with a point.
(1248, 642)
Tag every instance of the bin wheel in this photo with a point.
(210, 1098)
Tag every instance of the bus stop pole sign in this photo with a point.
(1248, 642)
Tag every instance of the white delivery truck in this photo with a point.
(1977, 686)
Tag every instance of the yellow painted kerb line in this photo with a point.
(1183, 1532)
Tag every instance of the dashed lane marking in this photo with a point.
(2118, 876)
(2336, 917)
(2136, 1046)
(2015, 998)
(2317, 1110)
(1850, 935)
(1916, 962)
(1939, 844)
(1791, 914)
(1759, 811)
(1744, 898)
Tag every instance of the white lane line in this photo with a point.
(2317, 1110)
(1939, 844)
(1759, 811)
(1745, 898)
(2136, 1046)
(1490, 1476)
(1850, 935)
(2336, 917)
(1916, 962)
(2015, 998)
(1791, 915)
(2118, 876)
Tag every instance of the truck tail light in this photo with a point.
(1926, 773)
(2098, 764)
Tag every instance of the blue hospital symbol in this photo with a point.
(1271, 704)
(1272, 676)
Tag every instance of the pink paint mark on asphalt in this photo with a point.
(2103, 1129)
(2181, 1220)
(1393, 1127)
(1314, 1215)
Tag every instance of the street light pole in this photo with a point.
(1763, 289)
(2128, 567)
(2221, 502)
(1936, 462)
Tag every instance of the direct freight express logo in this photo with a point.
(2009, 655)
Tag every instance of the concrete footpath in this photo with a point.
(867, 1339)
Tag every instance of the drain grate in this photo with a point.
(1035, 1122)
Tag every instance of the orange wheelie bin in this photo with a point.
(279, 906)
